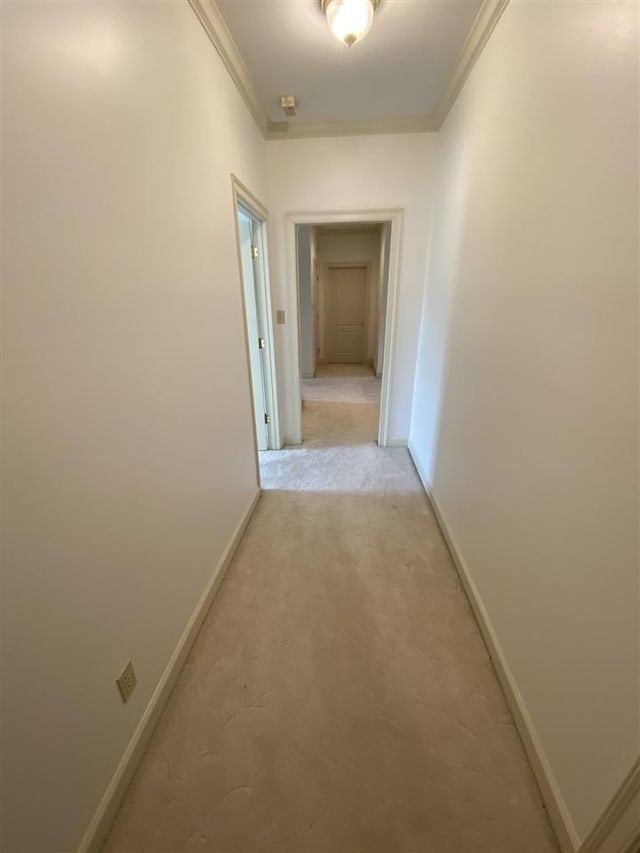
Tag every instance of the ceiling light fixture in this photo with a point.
(349, 20)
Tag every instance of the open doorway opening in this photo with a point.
(250, 217)
(342, 282)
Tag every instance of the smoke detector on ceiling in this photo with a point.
(288, 104)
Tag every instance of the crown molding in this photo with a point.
(350, 127)
(484, 24)
(215, 27)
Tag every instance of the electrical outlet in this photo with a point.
(126, 681)
(280, 317)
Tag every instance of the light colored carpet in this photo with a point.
(344, 371)
(343, 383)
(339, 698)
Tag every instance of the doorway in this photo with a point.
(346, 337)
(250, 217)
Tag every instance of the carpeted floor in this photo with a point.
(339, 698)
(343, 383)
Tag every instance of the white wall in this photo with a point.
(526, 397)
(128, 455)
(315, 296)
(344, 248)
(308, 287)
(385, 255)
(305, 296)
(354, 174)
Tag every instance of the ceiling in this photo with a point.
(402, 69)
(403, 77)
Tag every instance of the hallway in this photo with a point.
(339, 697)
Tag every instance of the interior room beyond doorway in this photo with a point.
(343, 272)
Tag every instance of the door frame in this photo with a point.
(243, 198)
(366, 265)
(324, 217)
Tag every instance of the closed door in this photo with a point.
(347, 293)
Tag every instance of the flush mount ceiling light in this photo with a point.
(349, 20)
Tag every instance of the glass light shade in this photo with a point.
(350, 20)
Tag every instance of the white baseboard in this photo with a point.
(100, 824)
(618, 830)
(396, 442)
(556, 807)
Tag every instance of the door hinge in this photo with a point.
(254, 251)
(260, 343)
(267, 419)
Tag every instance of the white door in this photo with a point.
(255, 334)
(347, 294)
